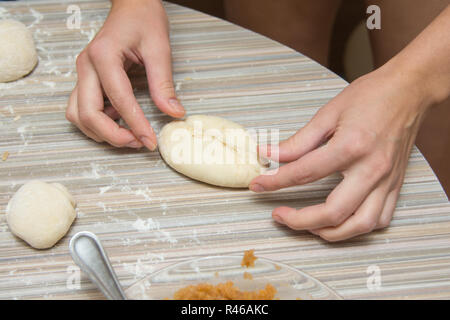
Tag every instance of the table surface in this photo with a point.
(148, 216)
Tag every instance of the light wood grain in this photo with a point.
(149, 216)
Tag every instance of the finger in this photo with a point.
(391, 201)
(364, 220)
(72, 115)
(109, 110)
(304, 140)
(158, 66)
(313, 166)
(112, 113)
(118, 89)
(389, 209)
(312, 135)
(340, 204)
(90, 109)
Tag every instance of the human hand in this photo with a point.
(369, 130)
(136, 31)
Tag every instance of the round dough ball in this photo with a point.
(41, 213)
(18, 55)
(211, 149)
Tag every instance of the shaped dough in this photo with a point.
(17, 51)
(41, 213)
(211, 149)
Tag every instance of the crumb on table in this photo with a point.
(249, 259)
(223, 291)
(5, 155)
(248, 276)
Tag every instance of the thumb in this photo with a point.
(159, 75)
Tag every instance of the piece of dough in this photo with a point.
(41, 213)
(18, 55)
(211, 149)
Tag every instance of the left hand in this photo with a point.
(370, 127)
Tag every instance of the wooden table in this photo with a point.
(149, 216)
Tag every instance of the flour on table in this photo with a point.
(146, 225)
(154, 227)
(37, 16)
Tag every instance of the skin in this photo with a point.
(366, 132)
(303, 25)
(135, 32)
(400, 27)
(369, 129)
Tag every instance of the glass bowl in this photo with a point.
(290, 283)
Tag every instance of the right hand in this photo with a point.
(136, 31)
(367, 135)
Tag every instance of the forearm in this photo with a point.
(425, 62)
(138, 4)
(132, 2)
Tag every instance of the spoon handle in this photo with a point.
(88, 254)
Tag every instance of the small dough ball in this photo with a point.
(41, 213)
(18, 55)
(211, 149)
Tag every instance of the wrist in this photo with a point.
(138, 11)
(419, 79)
(127, 3)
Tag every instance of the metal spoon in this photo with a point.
(87, 252)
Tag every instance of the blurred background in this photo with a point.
(350, 52)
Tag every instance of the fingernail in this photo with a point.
(148, 143)
(256, 187)
(134, 144)
(176, 105)
(278, 219)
